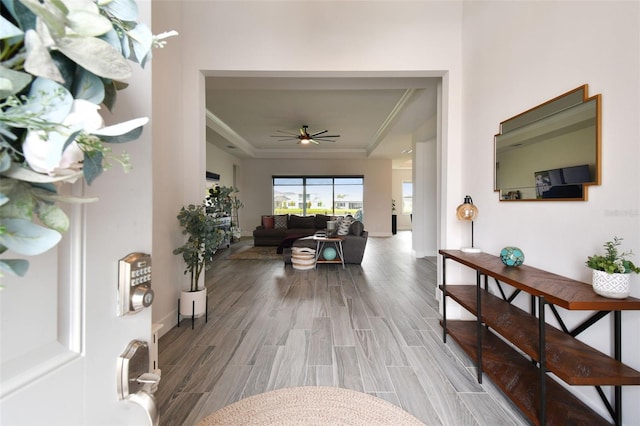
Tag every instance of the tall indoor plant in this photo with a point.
(612, 271)
(204, 236)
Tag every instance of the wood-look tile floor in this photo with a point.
(372, 328)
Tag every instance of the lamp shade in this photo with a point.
(466, 210)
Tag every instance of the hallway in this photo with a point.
(372, 328)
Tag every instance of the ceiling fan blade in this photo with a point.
(287, 133)
(325, 140)
(284, 138)
(319, 133)
(331, 136)
(314, 141)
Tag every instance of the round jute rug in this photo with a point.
(311, 405)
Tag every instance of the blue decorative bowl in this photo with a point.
(512, 256)
(329, 253)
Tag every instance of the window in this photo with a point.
(329, 195)
(407, 197)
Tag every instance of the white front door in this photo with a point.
(60, 333)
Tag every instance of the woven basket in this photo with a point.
(303, 258)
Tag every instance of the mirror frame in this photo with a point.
(550, 109)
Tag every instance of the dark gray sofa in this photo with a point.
(296, 227)
(299, 227)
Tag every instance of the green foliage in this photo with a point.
(59, 61)
(204, 238)
(612, 261)
(222, 200)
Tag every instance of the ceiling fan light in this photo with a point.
(304, 141)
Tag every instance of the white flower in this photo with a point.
(44, 152)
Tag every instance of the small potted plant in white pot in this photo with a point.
(612, 271)
(204, 238)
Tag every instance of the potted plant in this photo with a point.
(204, 238)
(611, 272)
(223, 201)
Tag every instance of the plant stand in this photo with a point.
(193, 312)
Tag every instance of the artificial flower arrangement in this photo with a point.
(60, 62)
(613, 261)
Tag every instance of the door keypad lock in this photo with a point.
(134, 283)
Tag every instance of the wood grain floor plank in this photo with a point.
(375, 377)
(372, 327)
(342, 332)
(321, 349)
(347, 369)
(412, 395)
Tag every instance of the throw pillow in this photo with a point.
(301, 222)
(344, 224)
(320, 221)
(267, 222)
(356, 228)
(280, 221)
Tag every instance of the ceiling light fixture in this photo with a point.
(407, 151)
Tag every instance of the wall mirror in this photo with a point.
(550, 152)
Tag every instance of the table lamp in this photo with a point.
(467, 211)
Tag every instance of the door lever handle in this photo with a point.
(149, 378)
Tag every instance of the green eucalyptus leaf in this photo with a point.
(25, 237)
(16, 267)
(92, 167)
(16, 80)
(95, 55)
(20, 204)
(53, 197)
(112, 38)
(141, 40)
(50, 100)
(110, 94)
(24, 17)
(122, 132)
(38, 61)
(27, 175)
(66, 67)
(89, 87)
(125, 10)
(5, 161)
(8, 30)
(88, 24)
(51, 15)
(52, 216)
(125, 48)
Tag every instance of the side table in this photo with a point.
(320, 245)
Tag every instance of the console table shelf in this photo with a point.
(518, 379)
(522, 373)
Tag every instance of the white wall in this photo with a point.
(258, 194)
(518, 55)
(397, 177)
(376, 36)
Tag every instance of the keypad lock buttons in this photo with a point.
(134, 283)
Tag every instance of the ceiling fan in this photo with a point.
(305, 137)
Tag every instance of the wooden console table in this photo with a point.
(546, 349)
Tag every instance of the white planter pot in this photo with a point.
(613, 286)
(187, 299)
